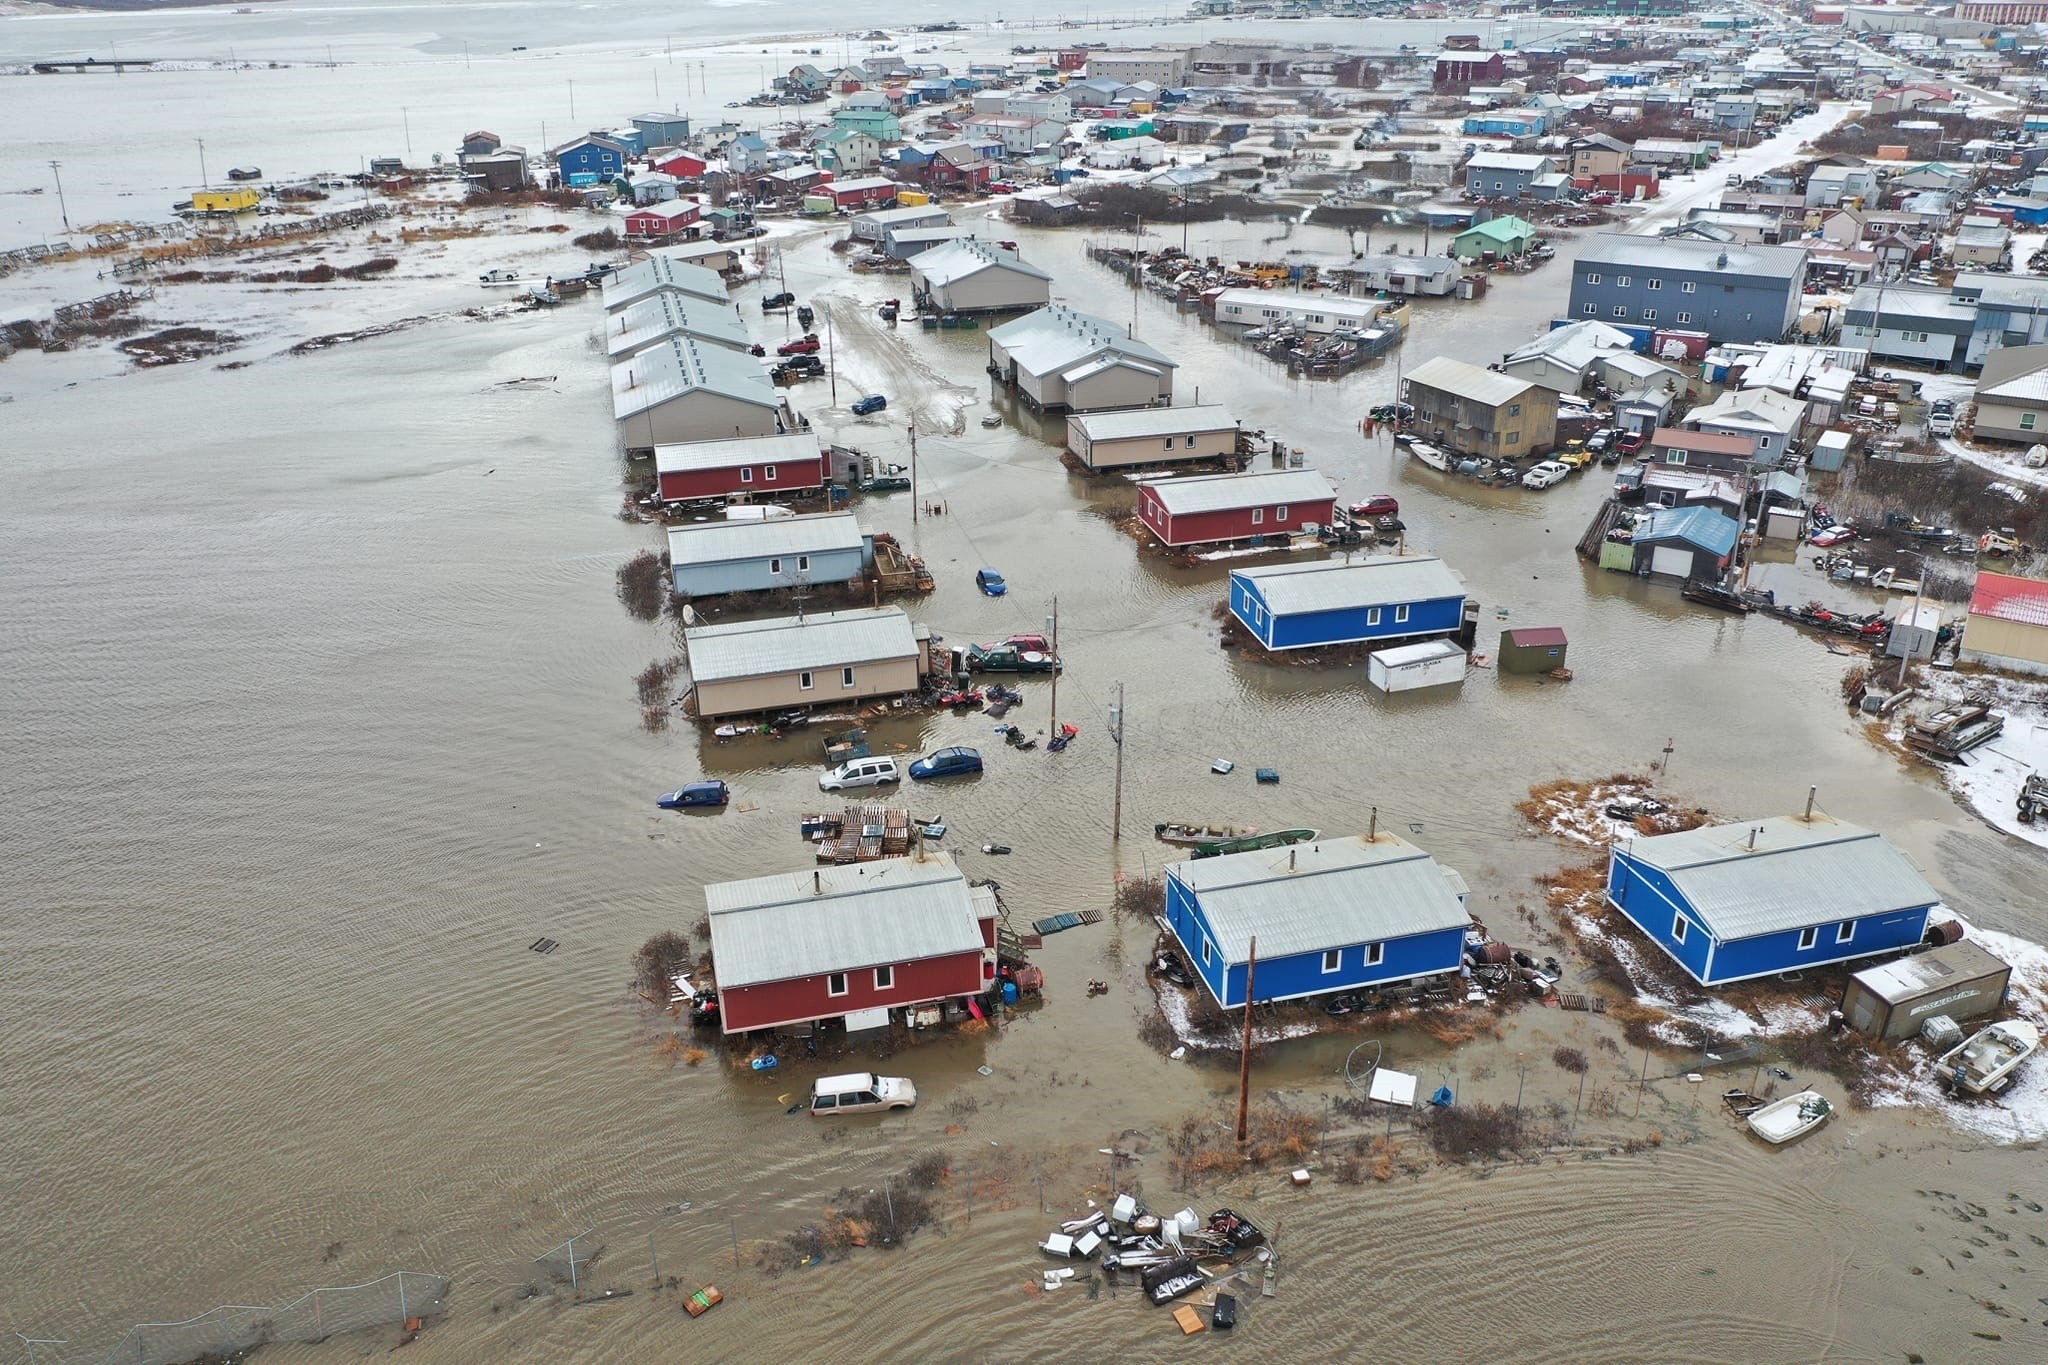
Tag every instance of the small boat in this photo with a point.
(1714, 595)
(1794, 1116)
(1430, 455)
(1184, 832)
(1252, 843)
(1984, 1063)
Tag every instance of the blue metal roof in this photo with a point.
(1699, 526)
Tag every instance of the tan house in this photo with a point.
(1061, 359)
(2012, 395)
(681, 390)
(1481, 412)
(788, 662)
(2008, 625)
(1599, 155)
(1152, 436)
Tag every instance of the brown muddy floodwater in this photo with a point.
(319, 710)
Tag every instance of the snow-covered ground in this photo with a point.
(1675, 198)
(1989, 777)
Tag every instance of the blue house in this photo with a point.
(592, 159)
(1331, 602)
(1731, 902)
(1335, 915)
(1509, 123)
(663, 130)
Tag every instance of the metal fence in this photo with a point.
(313, 1316)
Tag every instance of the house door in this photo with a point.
(1671, 559)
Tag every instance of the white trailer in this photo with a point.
(1433, 663)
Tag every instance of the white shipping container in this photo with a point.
(1433, 663)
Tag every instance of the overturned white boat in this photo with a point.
(1984, 1063)
(1792, 1117)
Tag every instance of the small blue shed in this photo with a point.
(590, 160)
(1731, 902)
(1334, 602)
(1334, 915)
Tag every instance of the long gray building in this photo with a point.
(1730, 291)
(711, 558)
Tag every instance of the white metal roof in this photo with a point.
(842, 918)
(1795, 875)
(1678, 253)
(1330, 894)
(1574, 344)
(2015, 373)
(1509, 161)
(1296, 301)
(957, 260)
(668, 314)
(1489, 388)
(1055, 337)
(1428, 651)
(658, 273)
(1753, 408)
(1951, 965)
(716, 542)
(1224, 492)
(680, 366)
(1131, 423)
(1368, 581)
(681, 456)
(788, 644)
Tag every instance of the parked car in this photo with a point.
(1632, 441)
(1007, 659)
(1546, 474)
(805, 345)
(1378, 505)
(1034, 642)
(990, 582)
(958, 761)
(863, 1092)
(1833, 535)
(1600, 440)
(1574, 456)
(711, 793)
(775, 301)
(800, 364)
(874, 402)
(861, 772)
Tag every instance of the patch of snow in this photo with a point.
(1180, 1018)
(2006, 465)
(1989, 777)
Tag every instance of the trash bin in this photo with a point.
(1009, 992)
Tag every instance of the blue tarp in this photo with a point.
(1698, 526)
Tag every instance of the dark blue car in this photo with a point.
(712, 793)
(990, 582)
(954, 762)
(874, 402)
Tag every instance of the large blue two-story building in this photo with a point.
(591, 160)
(1334, 601)
(1730, 291)
(1731, 902)
(1330, 915)
(1334, 915)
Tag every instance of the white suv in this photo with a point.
(1546, 474)
(860, 772)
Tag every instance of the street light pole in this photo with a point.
(62, 212)
(202, 161)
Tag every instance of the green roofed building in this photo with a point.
(1506, 235)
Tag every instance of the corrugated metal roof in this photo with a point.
(2014, 372)
(1489, 388)
(956, 261)
(670, 314)
(1534, 637)
(1057, 337)
(1797, 875)
(841, 918)
(681, 366)
(1370, 581)
(716, 542)
(1951, 965)
(1130, 423)
(658, 273)
(1226, 492)
(2007, 597)
(1676, 253)
(789, 644)
(1330, 894)
(1574, 344)
(1698, 526)
(680, 456)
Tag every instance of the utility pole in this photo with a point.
(831, 358)
(202, 161)
(572, 101)
(406, 115)
(916, 505)
(62, 212)
(1116, 735)
(1053, 629)
(1244, 1052)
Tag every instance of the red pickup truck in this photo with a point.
(807, 346)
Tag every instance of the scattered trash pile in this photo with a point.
(1177, 1258)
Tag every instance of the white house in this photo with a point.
(1318, 313)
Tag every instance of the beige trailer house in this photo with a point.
(831, 658)
(687, 391)
(1060, 359)
(651, 322)
(969, 276)
(1139, 437)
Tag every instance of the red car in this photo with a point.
(1003, 187)
(1378, 505)
(1035, 643)
(1630, 442)
(807, 346)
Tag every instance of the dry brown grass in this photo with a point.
(694, 1056)
(1276, 1135)
(1458, 1029)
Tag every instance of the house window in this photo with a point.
(1620, 310)
(1258, 516)
(1687, 287)
(1593, 277)
(1684, 318)
(1280, 512)
(1372, 616)
(1375, 953)
(746, 476)
(1190, 443)
(1514, 409)
(1168, 443)
(1678, 928)
(1589, 310)
(835, 984)
(1514, 438)
(1333, 958)
(1653, 284)
(1807, 938)
(1206, 956)
(2027, 420)
(1621, 281)
(803, 563)
(775, 567)
(846, 677)
(885, 978)
(770, 475)
(803, 680)
(1677, 456)
(1845, 931)
(1649, 315)
(1259, 616)
(1401, 614)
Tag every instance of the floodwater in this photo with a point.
(319, 710)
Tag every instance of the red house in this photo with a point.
(681, 165)
(1072, 58)
(1235, 506)
(1456, 70)
(858, 942)
(862, 193)
(688, 471)
(660, 221)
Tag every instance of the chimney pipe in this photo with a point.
(1290, 858)
(1372, 830)
(817, 882)
(1753, 830)
(1810, 793)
